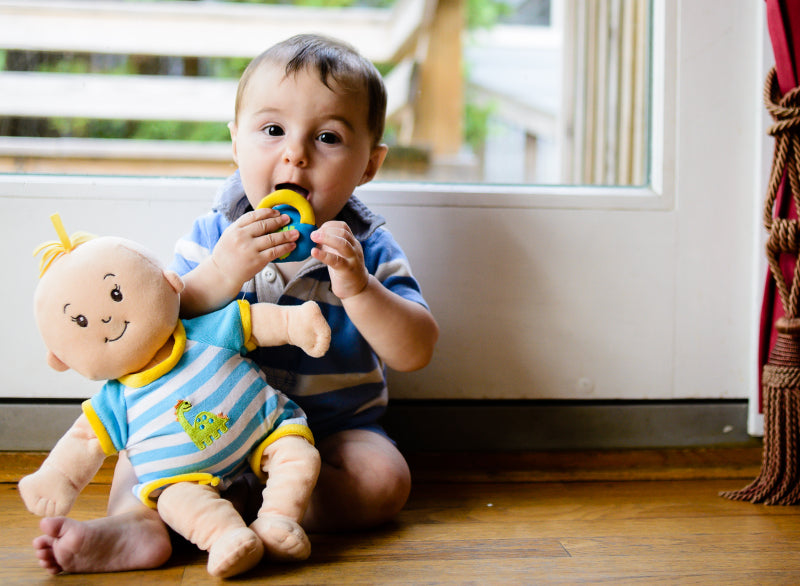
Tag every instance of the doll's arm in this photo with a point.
(301, 325)
(71, 465)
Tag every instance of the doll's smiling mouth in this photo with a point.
(125, 329)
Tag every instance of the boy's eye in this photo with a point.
(116, 294)
(274, 130)
(328, 138)
(81, 321)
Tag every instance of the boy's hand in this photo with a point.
(339, 249)
(252, 242)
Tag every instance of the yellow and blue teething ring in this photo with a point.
(302, 218)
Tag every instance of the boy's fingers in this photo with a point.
(261, 213)
(274, 239)
(326, 237)
(256, 226)
(328, 258)
(274, 224)
(256, 216)
(276, 252)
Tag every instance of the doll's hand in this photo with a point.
(252, 242)
(48, 492)
(309, 330)
(338, 248)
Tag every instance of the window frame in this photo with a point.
(658, 194)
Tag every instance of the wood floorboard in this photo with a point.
(489, 532)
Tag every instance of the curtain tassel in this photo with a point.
(778, 483)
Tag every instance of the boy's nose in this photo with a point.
(295, 154)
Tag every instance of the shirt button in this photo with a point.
(270, 275)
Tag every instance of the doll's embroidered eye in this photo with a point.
(116, 294)
(81, 321)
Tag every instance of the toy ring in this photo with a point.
(301, 213)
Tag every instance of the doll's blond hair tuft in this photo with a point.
(55, 249)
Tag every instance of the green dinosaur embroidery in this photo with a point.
(206, 427)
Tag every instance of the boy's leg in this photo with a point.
(292, 465)
(131, 537)
(364, 482)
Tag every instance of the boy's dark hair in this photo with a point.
(333, 59)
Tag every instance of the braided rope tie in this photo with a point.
(783, 234)
(778, 482)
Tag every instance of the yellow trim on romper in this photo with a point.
(142, 378)
(98, 428)
(283, 431)
(149, 487)
(247, 325)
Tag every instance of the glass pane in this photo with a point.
(481, 91)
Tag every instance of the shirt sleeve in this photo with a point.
(386, 260)
(229, 327)
(198, 244)
(107, 414)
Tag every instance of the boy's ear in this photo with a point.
(55, 363)
(376, 158)
(232, 128)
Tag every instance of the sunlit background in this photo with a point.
(481, 91)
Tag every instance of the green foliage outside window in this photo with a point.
(480, 14)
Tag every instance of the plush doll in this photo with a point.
(189, 408)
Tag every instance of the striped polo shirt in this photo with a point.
(346, 388)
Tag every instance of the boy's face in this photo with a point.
(294, 132)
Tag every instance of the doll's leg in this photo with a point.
(292, 466)
(199, 514)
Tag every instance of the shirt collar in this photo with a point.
(147, 376)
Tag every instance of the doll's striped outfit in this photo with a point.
(200, 415)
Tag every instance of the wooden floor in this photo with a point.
(512, 520)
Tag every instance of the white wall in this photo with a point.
(555, 293)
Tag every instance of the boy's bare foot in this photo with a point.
(127, 541)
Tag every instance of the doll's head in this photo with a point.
(104, 306)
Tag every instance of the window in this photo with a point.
(597, 292)
(497, 92)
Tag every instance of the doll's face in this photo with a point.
(105, 309)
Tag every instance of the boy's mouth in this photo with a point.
(294, 187)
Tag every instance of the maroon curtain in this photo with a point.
(778, 482)
(783, 21)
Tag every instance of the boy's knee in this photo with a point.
(365, 482)
(389, 487)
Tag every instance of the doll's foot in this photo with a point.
(235, 552)
(283, 538)
(110, 544)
